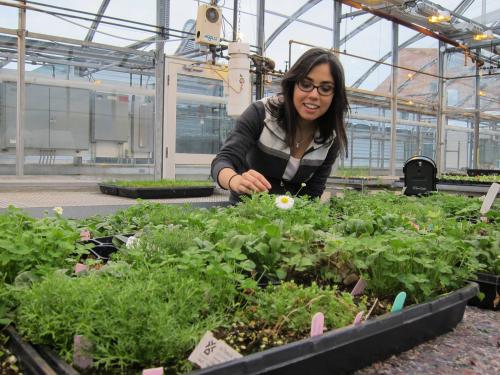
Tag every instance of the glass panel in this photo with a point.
(72, 130)
(489, 145)
(199, 85)
(458, 150)
(369, 148)
(201, 127)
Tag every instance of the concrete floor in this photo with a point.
(78, 196)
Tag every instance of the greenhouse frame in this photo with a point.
(80, 97)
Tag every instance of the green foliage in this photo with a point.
(156, 299)
(464, 178)
(131, 316)
(35, 245)
(289, 306)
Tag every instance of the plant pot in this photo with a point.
(489, 284)
(346, 349)
(157, 192)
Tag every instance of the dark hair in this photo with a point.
(333, 120)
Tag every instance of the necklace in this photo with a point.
(297, 144)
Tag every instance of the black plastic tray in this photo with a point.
(462, 182)
(489, 284)
(103, 247)
(157, 192)
(483, 172)
(350, 348)
(346, 349)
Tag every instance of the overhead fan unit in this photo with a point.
(208, 25)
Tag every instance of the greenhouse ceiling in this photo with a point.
(126, 29)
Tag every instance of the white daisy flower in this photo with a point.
(284, 202)
(58, 210)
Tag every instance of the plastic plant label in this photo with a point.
(211, 351)
(325, 197)
(80, 267)
(81, 352)
(359, 288)
(84, 235)
(399, 302)
(153, 371)
(490, 198)
(357, 319)
(317, 324)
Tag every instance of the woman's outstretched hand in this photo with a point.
(249, 182)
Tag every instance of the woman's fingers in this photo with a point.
(250, 182)
(261, 179)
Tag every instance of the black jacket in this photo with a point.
(257, 142)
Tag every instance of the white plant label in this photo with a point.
(490, 198)
(211, 351)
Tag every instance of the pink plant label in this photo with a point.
(84, 235)
(79, 267)
(359, 288)
(357, 319)
(153, 371)
(317, 324)
(82, 352)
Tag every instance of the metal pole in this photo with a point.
(21, 87)
(477, 101)
(235, 20)
(162, 20)
(394, 96)
(337, 14)
(259, 84)
(441, 120)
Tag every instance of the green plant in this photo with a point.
(290, 307)
(132, 316)
(36, 245)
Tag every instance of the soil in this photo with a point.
(8, 362)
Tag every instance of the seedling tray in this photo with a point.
(350, 348)
(103, 247)
(489, 284)
(157, 192)
(342, 350)
(462, 182)
(483, 172)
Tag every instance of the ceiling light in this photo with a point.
(488, 34)
(441, 16)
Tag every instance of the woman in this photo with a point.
(280, 143)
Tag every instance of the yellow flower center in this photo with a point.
(284, 200)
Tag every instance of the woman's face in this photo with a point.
(312, 105)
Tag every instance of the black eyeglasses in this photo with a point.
(325, 89)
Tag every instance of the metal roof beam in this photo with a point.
(36, 58)
(371, 21)
(462, 7)
(304, 8)
(365, 75)
(402, 86)
(95, 23)
(65, 50)
(76, 42)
